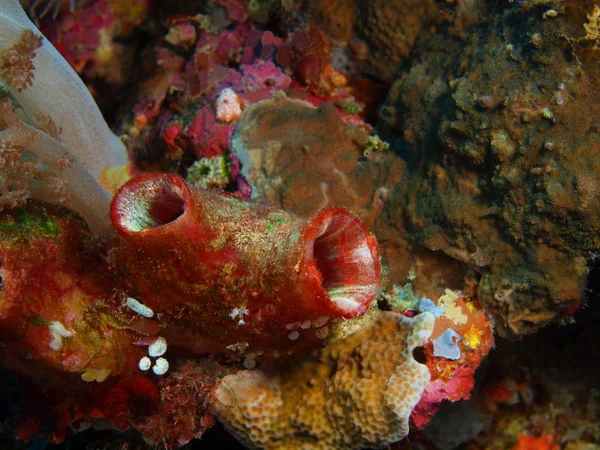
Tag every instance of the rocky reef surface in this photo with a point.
(311, 224)
(503, 126)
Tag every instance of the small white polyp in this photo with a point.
(250, 362)
(158, 347)
(139, 308)
(144, 363)
(161, 366)
(322, 332)
(58, 331)
(320, 321)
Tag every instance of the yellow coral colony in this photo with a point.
(358, 392)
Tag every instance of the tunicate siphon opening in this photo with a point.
(150, 201)
(347, 257)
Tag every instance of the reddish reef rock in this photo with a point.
(219, 274)
(64, 326)
(503, 124)
(90, 37)
(224, 273)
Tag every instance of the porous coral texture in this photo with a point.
(358, 392)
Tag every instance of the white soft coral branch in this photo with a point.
(36, 162)
(58, 92)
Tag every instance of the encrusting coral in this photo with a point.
(367, 385)
(502, 123)
(303, 172)
(359, 392)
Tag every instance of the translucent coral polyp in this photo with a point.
(224, 273)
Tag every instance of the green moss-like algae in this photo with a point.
(28, 222)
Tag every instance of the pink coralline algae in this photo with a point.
(207, 137)
(237, 60)
(179, 113)
(78, 36)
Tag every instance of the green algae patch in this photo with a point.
(39, 321)
(274, 220)
(28, 223)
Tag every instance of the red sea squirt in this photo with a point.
(222, 273)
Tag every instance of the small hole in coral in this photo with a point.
(419, 355)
